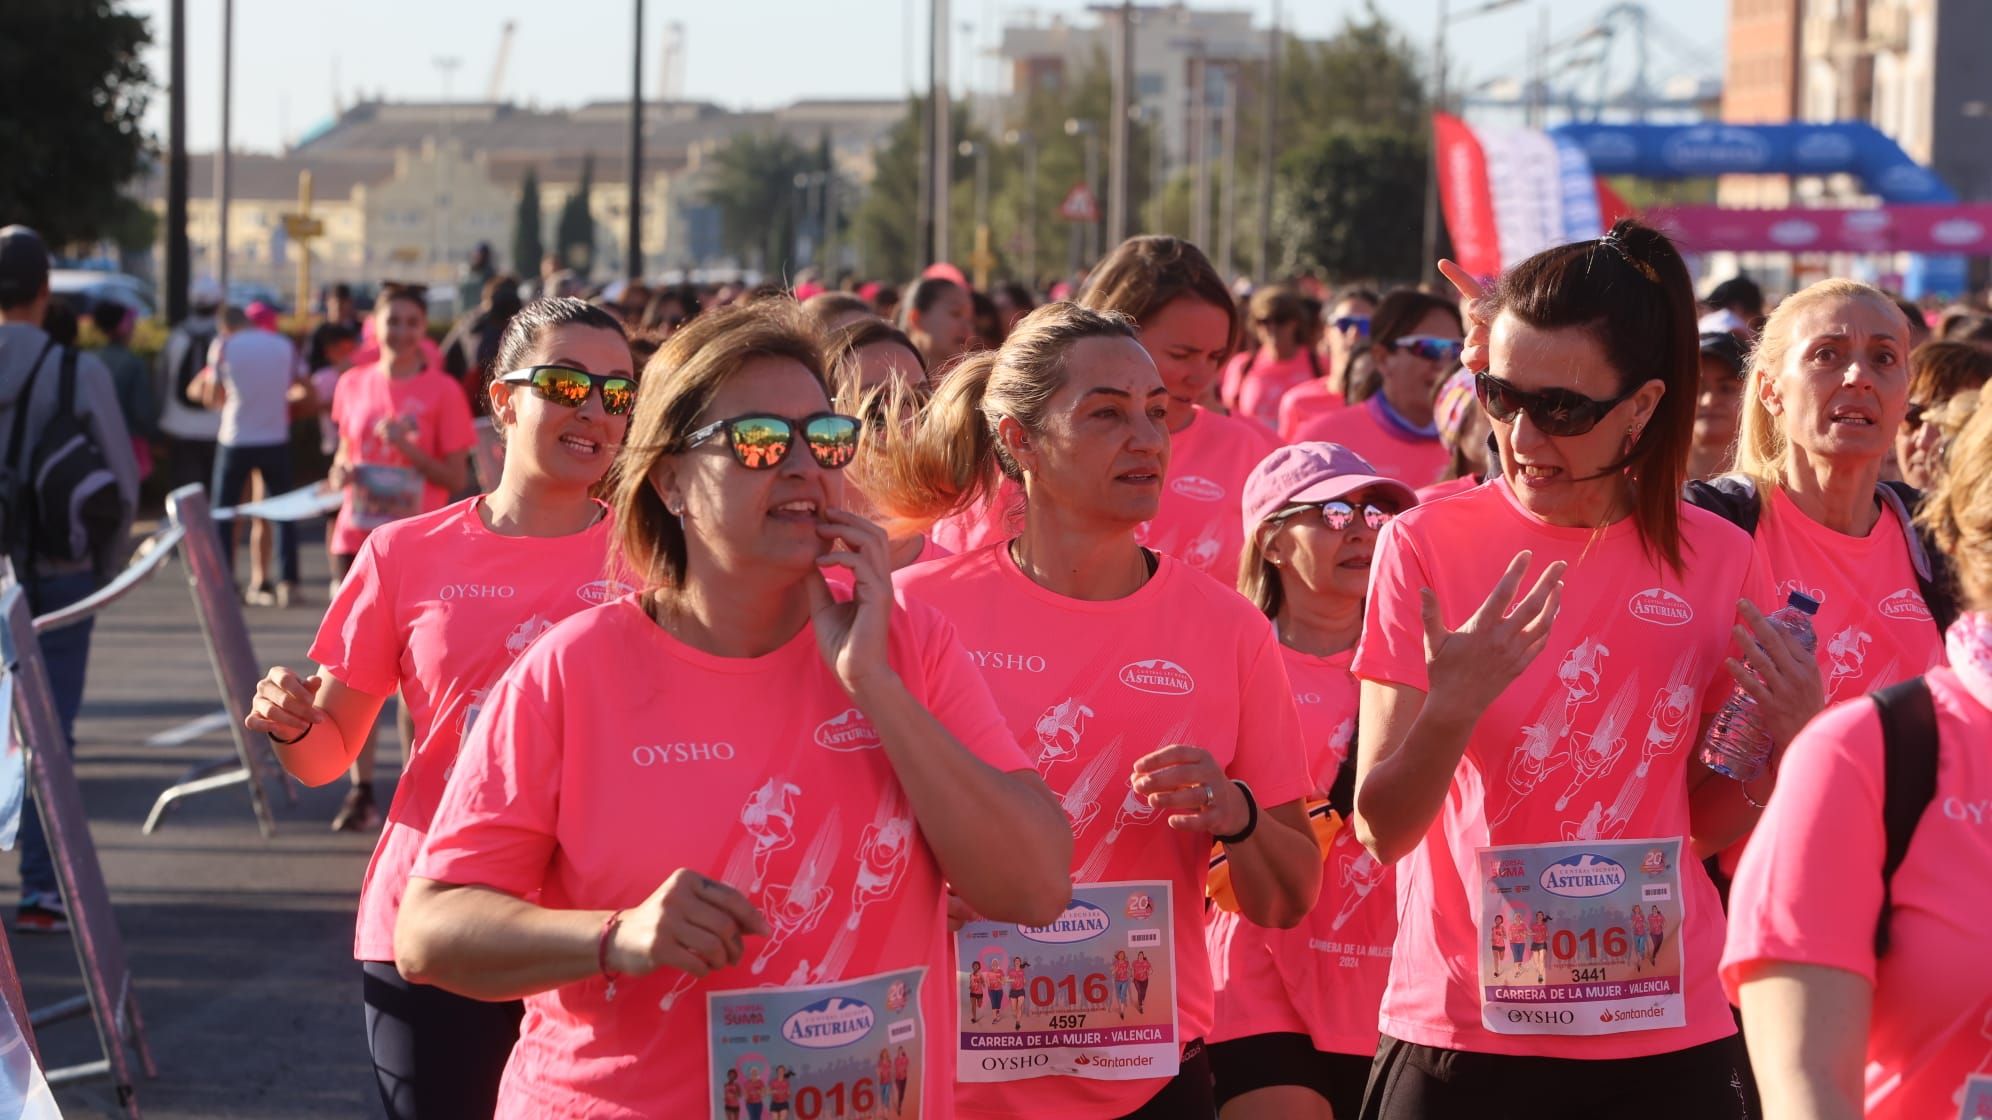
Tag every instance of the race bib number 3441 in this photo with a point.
(1581, 938)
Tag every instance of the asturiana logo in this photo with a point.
(602, 590)
(1157, 676)
(1657, 604)
(1082, 921)
(1906, 605)
(1198, 488)
(1583, 876)
(829, 1023)
(849, 730)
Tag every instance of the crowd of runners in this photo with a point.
(1149, 701)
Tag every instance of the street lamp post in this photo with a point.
(441, 226)
(980, 260)
(633, 258)
(1089, 132)
(1431, 240)
(221, 155)
(1029, 142)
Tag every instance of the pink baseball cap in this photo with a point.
(261, 314)
(1311, 472)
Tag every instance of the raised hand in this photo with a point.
(852, 635)
(1476, 309)
(285, 705)
(1470, 667)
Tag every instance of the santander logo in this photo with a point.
(1661, 606)
(847, 731)
(1198, 488)
(1905, 605)
(1157, 676)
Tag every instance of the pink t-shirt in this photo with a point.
(365, 396)
(1592, 741)
(438, 607)
(1446, 489)
(1873, 627)
(1809, 891)
(1305, 402)
(1254, 394)
(612, 754)
(1395, 452)
(1199, 521)
(1088, 688)
(1325, 977)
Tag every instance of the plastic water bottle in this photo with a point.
(1738, 745)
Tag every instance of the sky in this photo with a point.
(291, 55)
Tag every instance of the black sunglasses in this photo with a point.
(567, 386)
(761, 442)
(1913, 419)
(1339, 515)
(1558, 412)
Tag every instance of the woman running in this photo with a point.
(1142, 969)
(902, 1068)
(1864, 983)
(1120, 982)
(1186, 322)
(997, 978)
(405, 436)
(1638, 939)
(1295, 1022)
(1256, 380)
(778, 1093)
(1512, 737)
(437, 607)
(1499, 941)
(1019, 982)
(1539, 945)
(647, 821)
(1347, 323)
(730, 1098)
(977, 985)
(757, 1092)
(884, 1078)
(1156, 697)
(1415, 341)
(1656, 922)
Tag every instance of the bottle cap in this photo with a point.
(1805, 603)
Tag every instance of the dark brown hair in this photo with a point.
(1941, 368)
(1143, 275)
(530, 325)
(1630, 290)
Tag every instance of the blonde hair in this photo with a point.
(679, 384)
(1958, 510)
(949, 459)
(1258, 580)
(1762, 450)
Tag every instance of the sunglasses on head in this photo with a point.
(1558, 412)
(566, 386)
(1358, 323)
(1339, 515)
(761, 442)
(1430, 348)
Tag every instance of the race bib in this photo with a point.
(1093, 994)
(1581, 938)
(1977, 1098)
(847, 1048)
(384, 494)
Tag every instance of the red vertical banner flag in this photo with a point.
(1465, 196)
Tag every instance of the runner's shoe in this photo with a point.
(358, 813)
(41, 914)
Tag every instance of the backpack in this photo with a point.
(65, 504)
(1908, 780)
(192, 359)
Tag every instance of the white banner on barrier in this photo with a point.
(302, 504)
(13, 765)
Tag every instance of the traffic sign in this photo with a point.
(1080, 205)
(302, 227)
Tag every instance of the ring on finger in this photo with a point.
(1209, 796)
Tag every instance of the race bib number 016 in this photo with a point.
(843, 1049)
(1092, 995)
(1581, 938)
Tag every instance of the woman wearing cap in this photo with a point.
(1938, 373)
(1842, 1024)
(533, 552)
(734, 781)
(1536, 653)
(1464, 429)
(1155, 698)
(1415, 339)
(1718, 406)
(1187, 321)
(1295, 1022)
(1256, 380)
(1828, 389)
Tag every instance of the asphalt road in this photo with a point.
(241, 947)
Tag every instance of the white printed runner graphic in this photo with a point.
(1092, 995)
(853, 1048)
(1581, 938)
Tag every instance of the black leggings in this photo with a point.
(435, 1054)
(1412, 1082)
(1187, 1096)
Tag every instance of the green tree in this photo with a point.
(576, 233)
(753, 186)
(886, 224)
(1341, 205)
(527, 248)
(75, 89)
